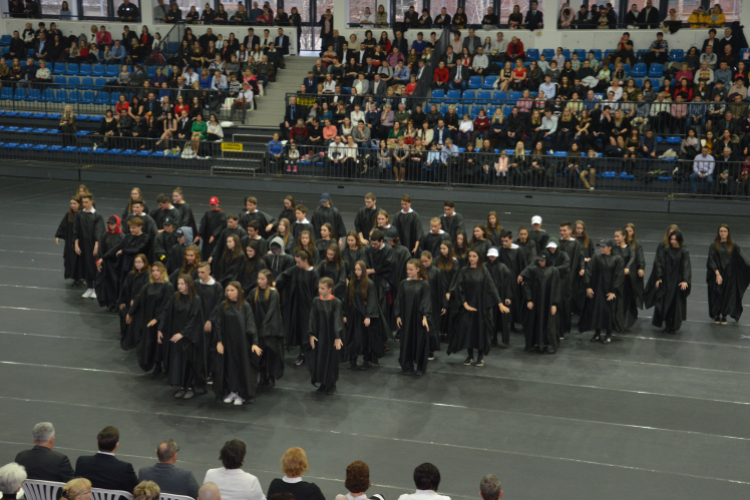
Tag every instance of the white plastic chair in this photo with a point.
(100, 494)
(168, 496)
(41, 490)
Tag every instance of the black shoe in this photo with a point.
(320, 390)
(180, 394)
(469, 361)
(190, 394)
(607, 339)
(419, 373)
(330, 391)
(717, 320)
(366, 365)
(549, 350)
(723, 320)
(300, 359)
(596, 338)
(410, 371)
(249, 401)
(157, 370)
(210, 380)
(352, 365)
(503, 345)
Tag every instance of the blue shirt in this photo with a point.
(118, 53)
(401, 74)
(591, 104)
(419, 46)
(275, 147)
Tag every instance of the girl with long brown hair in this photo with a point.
(727, 276)
(253, 265)
(353, 250)
(130, 288)
(334, 267)
(494, 228)
(266, 306)
(413, 309)
(361, 319)
(190, 261)
(71, 260)
(305, 243)
(650, 290)
(229, 266)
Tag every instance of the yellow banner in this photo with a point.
(231, 146)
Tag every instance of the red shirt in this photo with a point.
(441, 75)
(516, 49)
(481, 124)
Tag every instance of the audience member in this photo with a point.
(164, 473)
(233, 482)
(293, 464)
(41, 462)
(103, 469)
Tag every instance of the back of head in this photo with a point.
(12, 477)
(294, 462)
(490, 487)
(427, 477)
(75, 488)
(232, 454)
(43, 432)
(357, 477)
(108, 438)
(146, 490)
(209, 491)
(167, 450)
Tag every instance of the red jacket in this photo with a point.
(442, 75)
(515, 50)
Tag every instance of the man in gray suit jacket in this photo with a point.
(378, 87)
(472, 42)
(164, 473)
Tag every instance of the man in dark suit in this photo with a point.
(104, 470)
(310, 83)
(17, 48)
(534, 18)
(251, 39)
(170, 479)
(401, 43)
(41, 463)
(293, 112)
(649, 16)
(282, 43)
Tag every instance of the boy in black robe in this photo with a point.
(211, 294)
(431, 241)
(378, 257)
(561, 262)
(107, 286)
(399, 257)
(513, 258)
(164, 242)
(298, 286)
(165, 210)
(213, 222)
(541, 286)
(251, 213)
(408, 226)
(365, 218)
(278, 260)
(136, 242)
(220, 239)
(325, 329)
(253, 228)
(504, 283)
(451, 222)
(604, 281)
(301, 223)
(177, 252)
(87, 230)
(573, 291)
(327, 213)
(187, 218)
(538, 235)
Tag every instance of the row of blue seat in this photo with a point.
(42, 116)
(96, 70)
(61, 95)
(85, 150)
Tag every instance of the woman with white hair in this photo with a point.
(12, 477)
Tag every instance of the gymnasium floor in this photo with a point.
(649, 416)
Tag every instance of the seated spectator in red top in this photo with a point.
(441, 77)
(515, 49)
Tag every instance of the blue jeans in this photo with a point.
(694, 179)
(459, 86)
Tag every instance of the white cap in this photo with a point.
(552, 244)
(492, 252)
(536, 220)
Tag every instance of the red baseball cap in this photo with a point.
(213, 201)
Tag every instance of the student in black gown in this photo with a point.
(378, 259)
(87, 230)
(364, 221)
(494, 229)
(477, 294)
(211, 294)
(148, 228)
(71, 260)
(266, 305)
(431, 240)
(438, 301)
(145, 312)
(284, 231)
(504, 283)
(650, 291)
(232, 228)
(289, 210)
(479, 241)
(325, 331)
(251, 213)
(277, 260)
(187, 218)
(353, 250)
(191, 259)
(325, 241)
(629, 312)
(305, 243)
(604, 281)
(136, 278)
(300, 222)
(408, 225)
(181, 336)
(514, 259)
(361, 319)
(135, 196)
(236, 339)
(253, 234)
(727, 276)
(541, 296)
(213, 222)
(526, 245)
(248, 276)
(573, 291)
(640, 263)
(333, 266)
(413, 311)
(451, 221)
(107, 283)
(230, 265)
(400, 255)
(448, 266)
(326, 212)
(298, 286)
(673, 279)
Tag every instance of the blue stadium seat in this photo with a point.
(114, 97)
(84, 70)
(114, 152)
(61, 96)
(87, 97)
(6, 93)
(453, 96)
(11, 114)
(548, 53)
(60, 80)
(581, 54)
(514, 96)
(676, 55)
(655, 82)
(112, 70)
(96, 118)
(489, 81)
(498, 97)
(484, 97)
(34, 95)
(26, 114)
(151, 71)
(100, 82)
(99, 70)
(475, 82)
(74, 96)
(40, 116)
(54, 149)
(532, 55)
(173, 47)
(102, 98)
(54, 116)
(72, 69)
(641, 54)
(443, 109)
(101, 151)
(609, 52)
(656, 70)
(144, 153)
(5, 40)
(566, 54)
(48, 95)
(639, 70)
(597, 54)
(69, 149)
(438, 94)
(25, 130)
(20, 94)
(87, 83)
(85, 151)
(59, 69)
(638, 82)
(73, 82)
(40, 131)
(468, 97)
(40, 147)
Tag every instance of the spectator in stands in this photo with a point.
(659, 49)
(716, 17)
(443, 19)
(41, 462)
(128, 12)
(703, 169)
(161, 11)
(76, 489)
(103, 469)
(480, 63)
(427, 480)
(16, 9)
(459, 18)
(31, 9)
(534, 19)
(169, 478)
(649, 17)
(471, 42)
(174, 15)
(43, 74)
(516, 50)
(489, 486)
(12, 477)
(460, 78)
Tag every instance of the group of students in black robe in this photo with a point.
(270, 285)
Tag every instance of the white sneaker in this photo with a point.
(238, 401)
(93, 294)
(87, 293)
(591, 188)
(230, 398)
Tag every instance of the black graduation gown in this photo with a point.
(290, 215)
(409, 229)
(148, 228)
(670, 306)
(328, 270)
(726, 299)
(504, 283)
(277, 264)
(87, 229)
(269, 324)
(184, 360)
(162, 248)
(228, 268)
(129, 290)
(212, 297)
(475, 328)
(361, 340)
(452, 225)
(351, 257)
(126, 214)
(176, 276)
(541, 285)
(330, 215)
(540, 239)
(400, 256)
(159, 215)
(248, 276)
(365, 220)
(298, 227)
(71, 260)
(431, 242)
(263, 219)
(322, 247)
(528, 250)
(187, 218)
(131, 247)
(213, 221)
(175, 258)
(629, 304)
(438, 302)
(326, 323)
(493, 234)
(481, 248)
(107, 283)
(381, 262)
(604, 274)
(150, 304)
(515, 260)
(640, 265)
(453, 308)
(221, 242)
(237, 369)
(262, 244)
(298, 288)
(650, 291)
(412, 304)
(573, 292)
